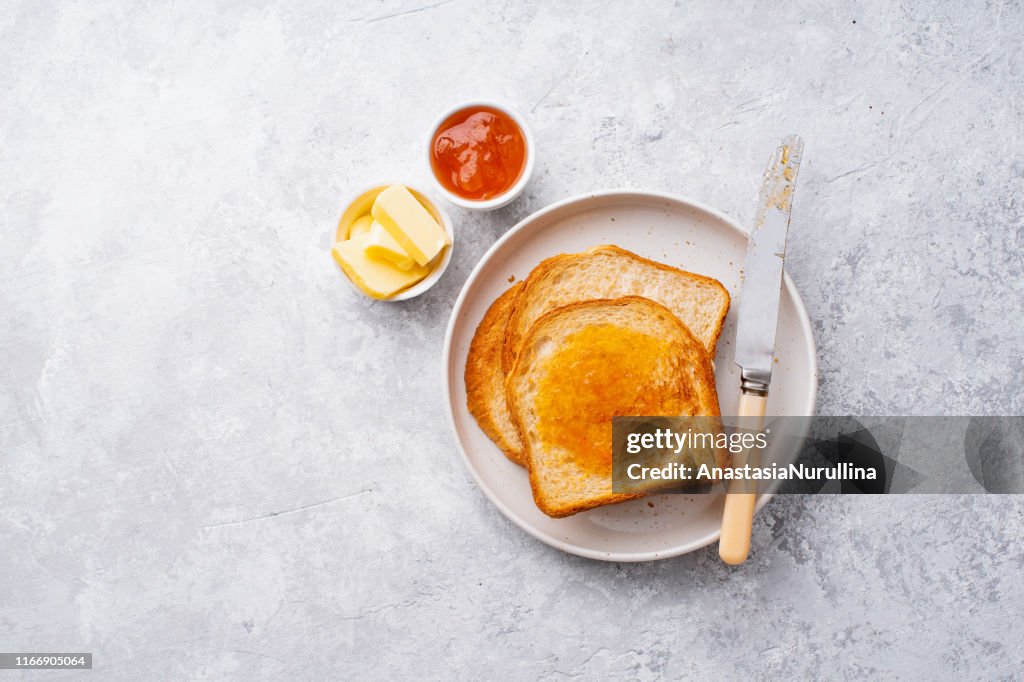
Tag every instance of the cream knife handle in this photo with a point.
(734, 545)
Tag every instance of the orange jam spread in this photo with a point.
(602, 371)
(478, 153)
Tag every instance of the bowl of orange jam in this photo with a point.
(481, 155)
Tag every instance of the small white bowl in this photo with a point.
(513, 191)
(360, 205)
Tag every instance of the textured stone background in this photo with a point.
(218, 462)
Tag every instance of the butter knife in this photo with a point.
(756, 326)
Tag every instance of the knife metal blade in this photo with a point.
(762, 283)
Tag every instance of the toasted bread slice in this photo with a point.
(485, 379)
(581, 365)
(611, 271)
(701, 303)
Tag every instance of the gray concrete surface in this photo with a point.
(217, 462)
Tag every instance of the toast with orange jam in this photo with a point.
(701, 303)
(585, 363)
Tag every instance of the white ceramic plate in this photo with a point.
(664, 228)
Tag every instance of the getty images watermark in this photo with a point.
(819, 455)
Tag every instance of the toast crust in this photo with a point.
(542, 293)
(485, 378)
(690, 376)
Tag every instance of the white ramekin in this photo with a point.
(513, 191)
(360, 204)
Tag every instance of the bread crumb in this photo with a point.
(511, 278)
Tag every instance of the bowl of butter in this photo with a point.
(393, 242)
